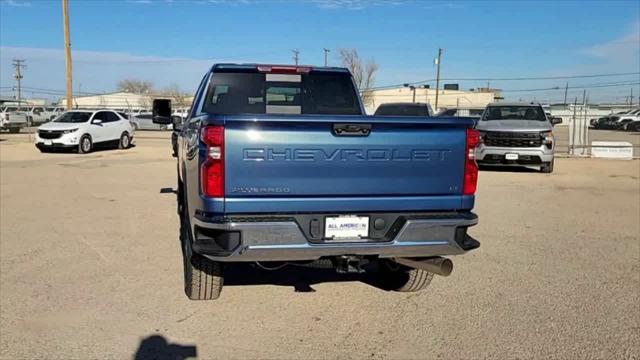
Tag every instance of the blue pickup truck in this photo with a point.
(279, 165)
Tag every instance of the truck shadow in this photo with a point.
(300, 278)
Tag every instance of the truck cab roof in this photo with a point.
(282, 68)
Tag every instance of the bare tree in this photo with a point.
(135, 86)
(363, 72)
(178, 98)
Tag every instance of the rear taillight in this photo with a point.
(470, 166)
(212, 169)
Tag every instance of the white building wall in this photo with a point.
(120, 100)
(446, 98)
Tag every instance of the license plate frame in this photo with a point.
(511, 156)
(346, 227)
(48, 142)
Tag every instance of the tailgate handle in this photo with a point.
(351, 129)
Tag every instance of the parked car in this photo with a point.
(85, 129)
(626, 119)
(13, 118)
(596, 123)
(516, 134)
(612, 121)
(404, 109)
(475, 113)
(633, 126)
(280, 165)
(181, 112)
(143, 121)
(37, 115)
(53, 112)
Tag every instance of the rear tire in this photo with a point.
(400, 278)
(203, 278)
(125, 141)
(547, 168)
(85, 145)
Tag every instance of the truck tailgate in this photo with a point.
(302, 157)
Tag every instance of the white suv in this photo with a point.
(85, 129)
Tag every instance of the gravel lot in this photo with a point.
(90, 267)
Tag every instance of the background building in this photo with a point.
(124, 100)
(476, 99)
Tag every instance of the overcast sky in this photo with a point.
(175, 42)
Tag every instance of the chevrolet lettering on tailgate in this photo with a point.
(289, 154)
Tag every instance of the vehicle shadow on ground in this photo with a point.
(96, 150)
(156, 347)
(513, 169)
(299, 278)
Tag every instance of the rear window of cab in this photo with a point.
(318, 93)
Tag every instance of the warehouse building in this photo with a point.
(448, 98)
(123, 100)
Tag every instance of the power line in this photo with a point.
(575, 87)
(527, 78)
(603, 85)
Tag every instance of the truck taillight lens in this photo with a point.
(470, 166)
(212, 169)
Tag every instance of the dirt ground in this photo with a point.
(90, 267)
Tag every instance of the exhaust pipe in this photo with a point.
(437, 265)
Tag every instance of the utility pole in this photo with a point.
(566, 89)
(296, 54)
(67, 54)
(326, 52)
(438, 76)
(631, 97)
(18, 64)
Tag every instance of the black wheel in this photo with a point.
(14, 130)
(203, 278)
(400, 278)
(85, 145)
(125, 141)
(547, 168)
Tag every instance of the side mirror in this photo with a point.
(162, 112)
(96, 122)
(556, 120)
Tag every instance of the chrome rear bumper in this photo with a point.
(284, 240)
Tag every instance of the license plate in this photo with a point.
(48, 142)
(511, 156)
(346, 227)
